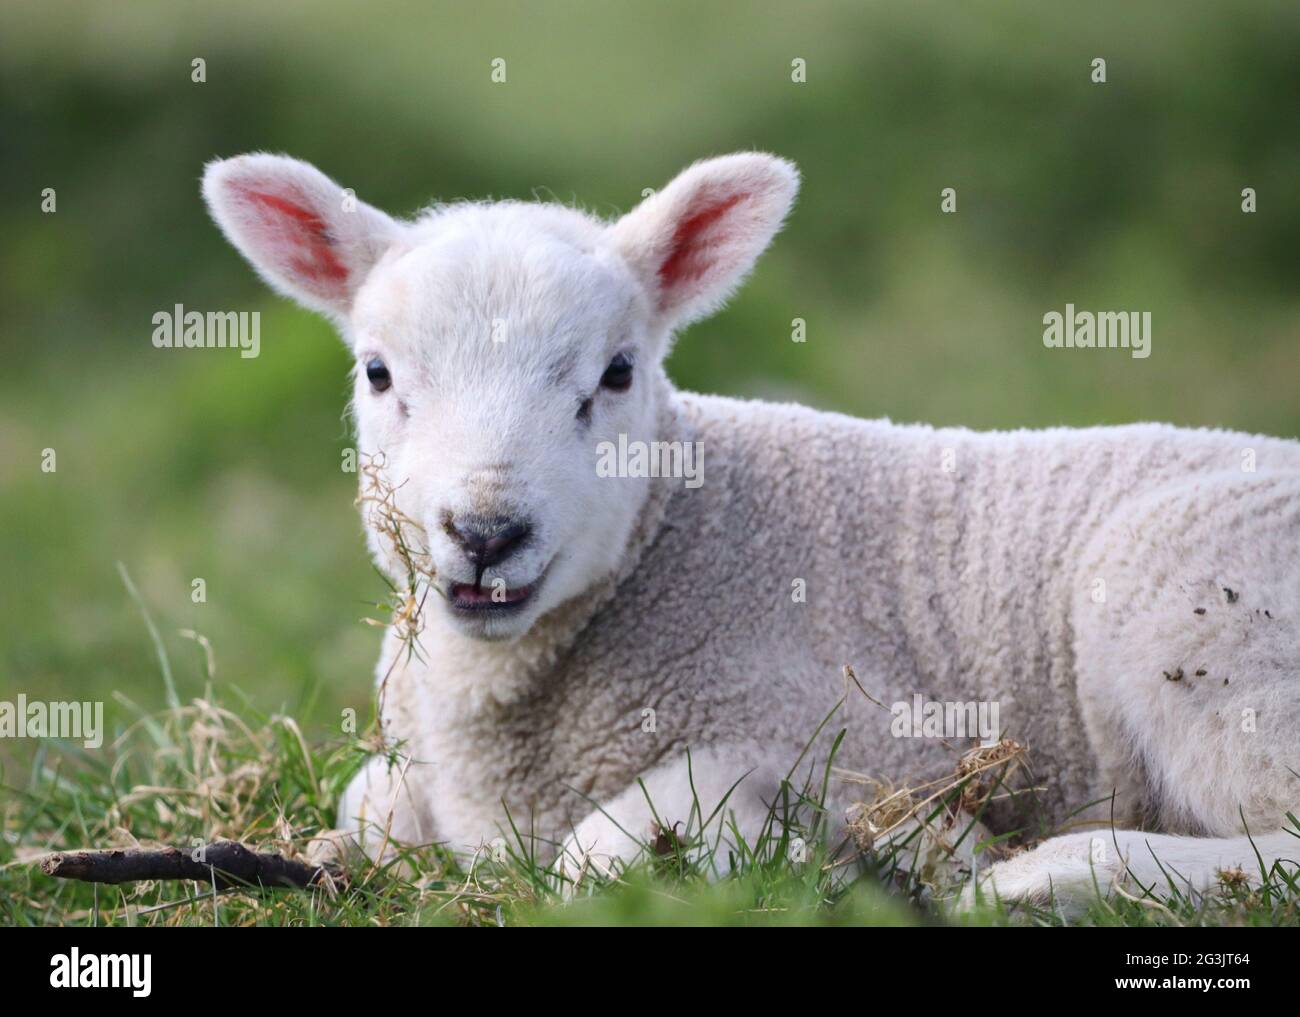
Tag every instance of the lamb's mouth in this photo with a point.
(489, 599)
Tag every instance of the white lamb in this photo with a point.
(592, 631)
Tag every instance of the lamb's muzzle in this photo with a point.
(488, 541)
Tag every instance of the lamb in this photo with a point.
(603, 653)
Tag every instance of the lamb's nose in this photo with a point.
(488, 541)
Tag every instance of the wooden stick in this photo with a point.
(224, 863)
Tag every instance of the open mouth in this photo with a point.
(491, 598)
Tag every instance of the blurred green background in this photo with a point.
(198, 463)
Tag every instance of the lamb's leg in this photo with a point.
(1068, 873)
(1189, 679)
(1188, 663)
(377, 812)
(679, 797)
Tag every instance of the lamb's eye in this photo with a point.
(377, 372)
(618, 375)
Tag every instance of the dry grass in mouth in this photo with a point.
(409, 543)
(378, 499)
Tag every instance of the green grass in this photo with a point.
(213, 768)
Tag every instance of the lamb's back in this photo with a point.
(939, 562)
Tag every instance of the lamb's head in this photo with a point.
(497, 346)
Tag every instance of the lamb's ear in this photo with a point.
(694, 241)
(304, 234)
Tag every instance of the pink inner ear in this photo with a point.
(304, 230)
(691, 254)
